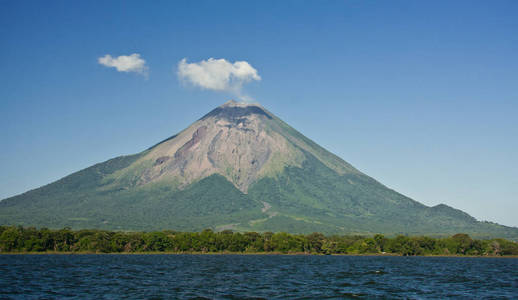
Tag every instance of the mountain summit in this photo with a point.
(238, 167)
(239, 141)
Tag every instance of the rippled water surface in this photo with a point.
(255, 276)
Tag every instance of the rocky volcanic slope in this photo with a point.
(239, 167)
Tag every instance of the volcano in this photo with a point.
(239, 167)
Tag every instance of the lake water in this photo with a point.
(254, 277)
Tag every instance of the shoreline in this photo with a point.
(32, 241)
(245, 253)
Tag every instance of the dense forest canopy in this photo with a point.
(18, 239)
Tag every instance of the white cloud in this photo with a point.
(125, 63)
(218, 75)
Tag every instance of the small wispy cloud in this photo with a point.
(125, 63)
(219, 75)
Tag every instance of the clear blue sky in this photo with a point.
(421, 95)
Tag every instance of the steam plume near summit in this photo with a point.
(219, 75)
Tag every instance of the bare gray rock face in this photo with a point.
(241, 141)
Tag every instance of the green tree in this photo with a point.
(267, 236)
(157, 241)
(284, 242)
(427, 244)
(10, 240)
(461, 243)
(254, 241)
(315, 241)
(380, 242)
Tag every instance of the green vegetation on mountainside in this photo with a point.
(303, 200)
(316, 197)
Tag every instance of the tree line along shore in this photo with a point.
(31, 240)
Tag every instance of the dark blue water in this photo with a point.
(251, 276)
